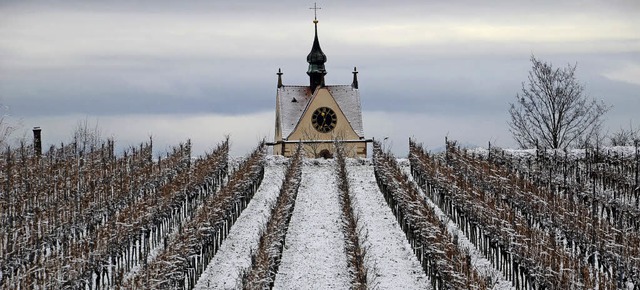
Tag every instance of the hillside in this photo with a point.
(314, 251)
(481, 219)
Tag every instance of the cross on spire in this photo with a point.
(316, 57)
(315, 11)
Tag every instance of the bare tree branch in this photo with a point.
(5, 127)
(625, 137)
(552, 111)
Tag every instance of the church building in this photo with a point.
(317, 114)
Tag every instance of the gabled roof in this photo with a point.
(348, 99)
(346, 96)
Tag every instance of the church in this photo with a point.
(317, 114)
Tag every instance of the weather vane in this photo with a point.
(315, 11)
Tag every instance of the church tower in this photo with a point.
(316, 59)
(317, 115)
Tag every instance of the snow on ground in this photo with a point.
(225, 269)
(153, 253)
(388, 251)
(622, 151)
(480, 263)
(314, 256)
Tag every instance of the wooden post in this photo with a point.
(637, 189)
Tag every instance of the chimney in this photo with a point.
(37, 141)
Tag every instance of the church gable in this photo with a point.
(291, 101)
(348, 100)
(323, 98)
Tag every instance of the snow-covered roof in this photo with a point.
(348, 99)
(291, 111)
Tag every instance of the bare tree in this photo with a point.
(553, 111)
(87, 135)
(312, 148)
(625, 137)
(5, 127)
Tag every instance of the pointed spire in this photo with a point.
(279, 78)
(354, 84)
(316, 59)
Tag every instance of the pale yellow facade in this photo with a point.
(315, 142)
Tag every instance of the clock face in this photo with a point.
(324, 119)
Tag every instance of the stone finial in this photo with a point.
(354, 84)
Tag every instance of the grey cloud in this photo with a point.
(220, 57)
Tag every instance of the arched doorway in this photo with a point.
(325, 154)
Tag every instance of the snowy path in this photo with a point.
(225, 269)
(482, 264)
(388, 251)
(314, 256)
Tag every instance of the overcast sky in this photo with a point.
(203, 69)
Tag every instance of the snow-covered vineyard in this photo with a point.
(78, 218)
